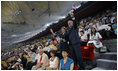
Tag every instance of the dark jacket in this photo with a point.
(73, 34)
(63, 44)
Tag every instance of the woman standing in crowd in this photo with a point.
(63, 38)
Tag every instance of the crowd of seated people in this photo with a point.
(51, 53)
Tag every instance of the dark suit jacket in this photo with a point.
(73, 35)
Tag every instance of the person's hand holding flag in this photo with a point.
(72, 15)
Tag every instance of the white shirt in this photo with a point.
(84, 37)
(19, 60)
(105, 18)
(44, 60)
(106, 27)
(80, 29)
(96, 36)
(53, 63)
(37, 57)
(96, 26)
(89, 30)
(85, 32)
(32, 56)
(79, 34)
(111, 19)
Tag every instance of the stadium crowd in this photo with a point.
(62, 50)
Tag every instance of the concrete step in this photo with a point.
(112, 48)
(107, 64)
(110, 55)
(110, 41)
(99, 68)
(111, 44)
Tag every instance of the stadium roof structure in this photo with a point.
(21, 20)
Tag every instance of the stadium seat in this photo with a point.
(76, 67)
(87, 52)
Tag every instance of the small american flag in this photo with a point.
(74, 6)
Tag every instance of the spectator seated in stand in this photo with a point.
(43, 61)
(52, 46)
(18, 58)
(115, 26)
(66, 63)
(83, 38)
(53, 61)
(104, 30)
(95, 39)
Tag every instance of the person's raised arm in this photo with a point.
(52, 31)
(54, 34)
(73, 19)
(99, 36)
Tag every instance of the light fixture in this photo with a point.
(14, 35)
(17, 13)
(55, 22)
(47, 24)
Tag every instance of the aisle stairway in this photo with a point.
(111, 45)
(108, 60)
